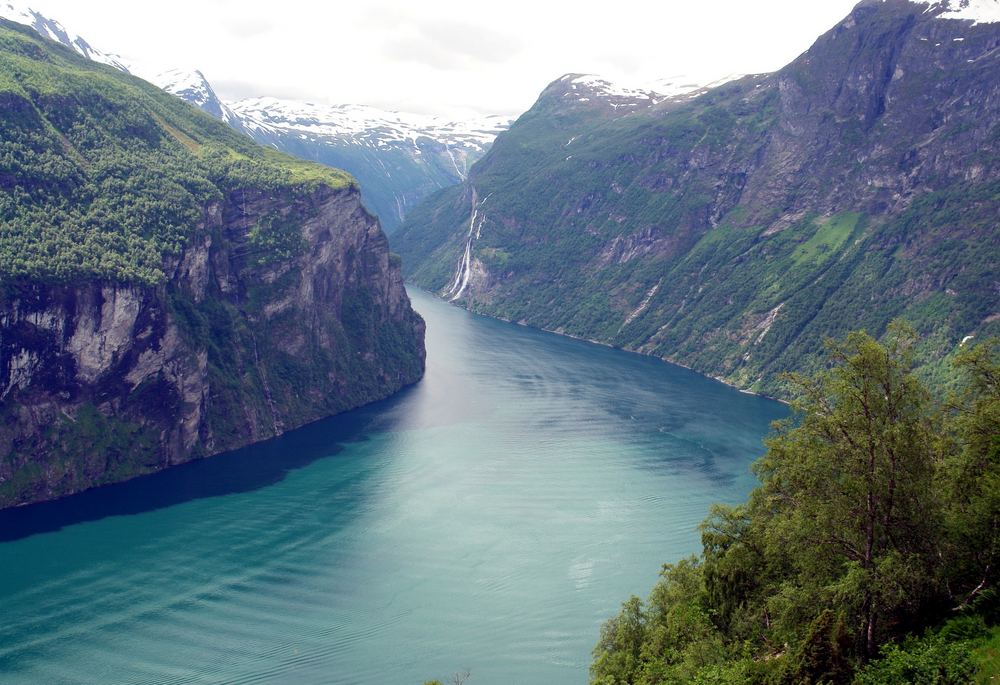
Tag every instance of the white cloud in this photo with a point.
(445, 56)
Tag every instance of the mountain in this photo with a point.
(189, 85)
(194, 88)
(53, 30)
(169, 289)
(623, 98)
(398, 158)
(732, 230)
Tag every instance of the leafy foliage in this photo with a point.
(929, 660)
(876, 518)
(987, 658)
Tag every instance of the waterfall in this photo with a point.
(454, 163)
(465, 264)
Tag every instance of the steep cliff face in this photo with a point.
(733, 230)
(104, 381)
(168, 290)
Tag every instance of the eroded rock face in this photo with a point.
(103, 381)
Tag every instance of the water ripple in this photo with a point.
(491, 518)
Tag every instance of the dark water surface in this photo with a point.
(489, 518)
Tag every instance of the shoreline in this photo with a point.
(564, 334)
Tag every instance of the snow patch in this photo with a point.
(379, 127)
(178, 80)
(976, 11)
(53, 30)
(587, 86)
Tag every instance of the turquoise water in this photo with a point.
(489, 518)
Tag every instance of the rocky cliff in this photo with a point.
(167, 290)
(733, 230)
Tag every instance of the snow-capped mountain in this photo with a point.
(591, 88)
(192, 86)
(361, 122)
(398, 158)
(53, 30)
(655, 226)
(976, 11)
(188, 84)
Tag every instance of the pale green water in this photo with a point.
(489, 518)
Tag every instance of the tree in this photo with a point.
(618, 655)
(846, 494)
(869, 550)
(970, 477)
(457, 678)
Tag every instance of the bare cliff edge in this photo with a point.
(102, 381)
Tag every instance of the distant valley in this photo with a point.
(400, 489)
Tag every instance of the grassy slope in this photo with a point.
(102, 174)
(987, 658)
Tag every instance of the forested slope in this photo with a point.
(733, 231)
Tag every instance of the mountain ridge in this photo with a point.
(733, 231)
(399, 158)
(53, 30)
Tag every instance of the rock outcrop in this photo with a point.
(169, 289)
(102, 381)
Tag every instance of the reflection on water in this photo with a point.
(490, 517)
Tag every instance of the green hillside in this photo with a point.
(169, 289)
(866, 555)
(734, 231)
(103, 174)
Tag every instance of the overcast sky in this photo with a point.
(445, 56)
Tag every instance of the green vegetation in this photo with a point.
(107, 182)
(102, 175)
(274, 238)
(827, 240)
(986, 658)
(91, 448)
(868, 553)
(393, 178)
(756, 244)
